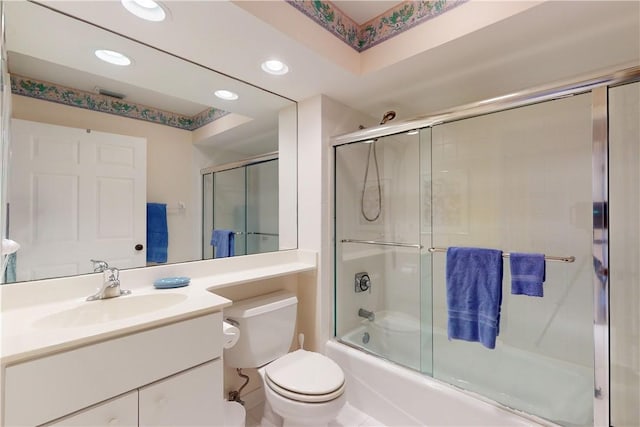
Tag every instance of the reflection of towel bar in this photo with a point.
(178, 208)
(507, 254)
(256, 232)
(374, 242)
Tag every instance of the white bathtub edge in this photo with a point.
(395, 395)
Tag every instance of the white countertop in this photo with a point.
(44, 317)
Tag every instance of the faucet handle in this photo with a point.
(99, 266)
(112, 274)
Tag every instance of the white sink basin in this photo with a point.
(108, 310)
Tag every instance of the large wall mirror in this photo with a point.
(136, 165)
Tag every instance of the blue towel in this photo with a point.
(224, 242)
(157, 232)
(474, 294)
(527, 274)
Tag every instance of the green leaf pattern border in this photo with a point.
(78, 98)
(394, 21)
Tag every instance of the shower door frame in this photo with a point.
(598, 86)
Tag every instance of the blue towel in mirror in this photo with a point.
(224, 242)
(474, 294)
(527, 274)
(157, 232)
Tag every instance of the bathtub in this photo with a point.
(398, 396)
(393, 334)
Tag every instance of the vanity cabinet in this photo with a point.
(172, 372)
(190, 398)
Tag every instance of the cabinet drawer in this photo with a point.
(121, 411)
(69, 381)
(190, 398)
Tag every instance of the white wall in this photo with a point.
(319, 118)
(287, 178)
(624, 208)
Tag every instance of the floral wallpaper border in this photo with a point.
(391, 23)
(91, 101)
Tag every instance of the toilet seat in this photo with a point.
(305, 376)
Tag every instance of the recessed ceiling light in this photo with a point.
(145, 9)
(273, 66)
(112, 57)
(226, 95)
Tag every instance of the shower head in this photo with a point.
(389, 115)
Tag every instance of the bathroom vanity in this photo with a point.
(146, 359)
(105, 381)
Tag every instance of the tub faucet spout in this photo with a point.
(369, 315)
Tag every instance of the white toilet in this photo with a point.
(302, 387)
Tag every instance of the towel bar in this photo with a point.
(507, 254)
(374, 242)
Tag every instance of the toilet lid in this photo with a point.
(305, 376)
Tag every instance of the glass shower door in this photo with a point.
(520, 181)
(262, 207)
(378, 256)
(229, 205)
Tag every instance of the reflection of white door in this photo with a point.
(75, 195)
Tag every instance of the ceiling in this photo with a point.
(480, 49)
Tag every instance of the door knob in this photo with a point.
(139, 247)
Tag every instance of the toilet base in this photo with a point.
(270, 418)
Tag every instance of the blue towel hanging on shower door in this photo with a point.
(224, 242)
(527, 274)
(474, 294)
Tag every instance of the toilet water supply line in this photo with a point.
(234, 395)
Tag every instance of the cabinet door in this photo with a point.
(121, 411)
(190, 398)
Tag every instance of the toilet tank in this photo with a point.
(267, 324)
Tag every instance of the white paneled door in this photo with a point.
(74, 195)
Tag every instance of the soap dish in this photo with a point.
(171, 282)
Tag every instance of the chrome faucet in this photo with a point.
(369, 315)
(110, 287)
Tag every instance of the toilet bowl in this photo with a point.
(303, 388)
